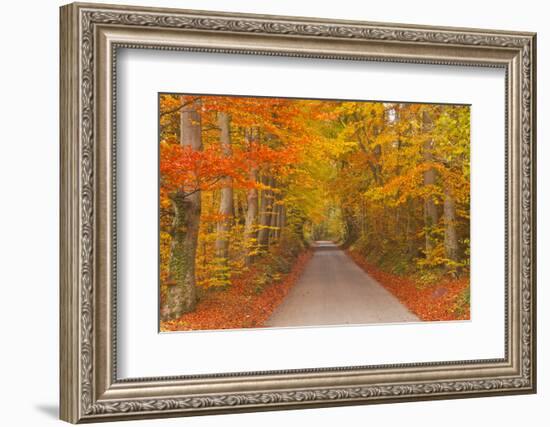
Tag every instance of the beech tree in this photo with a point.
(250, 227)
(430, 208)
(226, 199)
(186, 201)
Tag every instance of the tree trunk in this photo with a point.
(352, 228)
(449, 217)
(281, 220)
(250, 224)
(266, 211)
(181, 296)
(274, 220)
(240, 212)
(361, 217)
(411, 230)
(226, 210)
(430, 208)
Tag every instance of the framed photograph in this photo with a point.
(266, 212)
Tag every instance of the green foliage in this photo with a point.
(462, 303)
(278, 261)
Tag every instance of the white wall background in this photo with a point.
(29, 171)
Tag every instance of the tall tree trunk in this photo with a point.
(411, 230)
(240, 212)
(281, 220)
(250, 224)
(352, 228)
(181, 296)
(226, 210)
(273, 222)
(361, 217)
(266, 211)
(449, 217)
(430, 209)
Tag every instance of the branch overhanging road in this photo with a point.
(333, 290)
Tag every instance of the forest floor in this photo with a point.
(447, 299)
(331, 288)
(243, 304)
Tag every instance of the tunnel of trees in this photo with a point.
(248, 180)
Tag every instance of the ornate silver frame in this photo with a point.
(90, 36)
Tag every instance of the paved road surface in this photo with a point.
(333, 290)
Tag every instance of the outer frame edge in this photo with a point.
(69, 223)
(69, 233)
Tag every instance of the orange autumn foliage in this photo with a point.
(240, 306)
(354, 172)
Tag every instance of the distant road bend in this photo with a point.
(333, 290)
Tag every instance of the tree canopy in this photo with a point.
(249, 179)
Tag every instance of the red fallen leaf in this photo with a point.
(239, 306)
(434, 302)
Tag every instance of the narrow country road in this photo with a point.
(333, 290)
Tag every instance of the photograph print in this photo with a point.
(288, 212)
